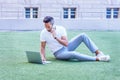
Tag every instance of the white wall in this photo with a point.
(91, 14)
(37, 24)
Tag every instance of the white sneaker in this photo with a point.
(100, 54)
(105, 58)
(46, 62)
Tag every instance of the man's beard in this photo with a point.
(49, 30)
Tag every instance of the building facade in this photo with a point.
(73, 14)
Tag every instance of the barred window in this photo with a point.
(69, 13)
(31, 12)
(112, 13)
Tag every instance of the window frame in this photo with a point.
(112, 13)
(32, 13)
(68, 12)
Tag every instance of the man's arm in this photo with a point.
(42, 50)
(63, 40)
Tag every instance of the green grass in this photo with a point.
(14, 65)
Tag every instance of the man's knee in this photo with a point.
(83, 35)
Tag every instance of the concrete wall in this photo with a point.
(15, 9)
(91, 14)
(37, 24)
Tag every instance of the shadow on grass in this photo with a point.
(35, 58)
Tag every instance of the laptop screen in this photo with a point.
(33, 57)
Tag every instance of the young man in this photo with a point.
(56, 39)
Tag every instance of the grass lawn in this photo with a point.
(14, 65)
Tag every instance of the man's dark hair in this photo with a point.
(48, 19)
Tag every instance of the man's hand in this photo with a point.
(53, 33)
(63, 40)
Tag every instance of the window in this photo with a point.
(112, 12)
(69, 13)
(27, 12)
(35, 12)
(65, 12)
(108, 13)
(73, 12)
(115, 12)
(31, 12)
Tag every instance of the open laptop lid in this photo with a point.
(33, 57)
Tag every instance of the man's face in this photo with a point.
(48, 26)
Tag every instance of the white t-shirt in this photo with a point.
(52, 43)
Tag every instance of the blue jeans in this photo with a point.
(67, 53)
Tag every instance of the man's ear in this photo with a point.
(52, 22)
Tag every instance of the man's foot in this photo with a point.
(105, 58)
(46, 62)
(100, 54)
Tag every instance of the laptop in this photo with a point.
(34, 57)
